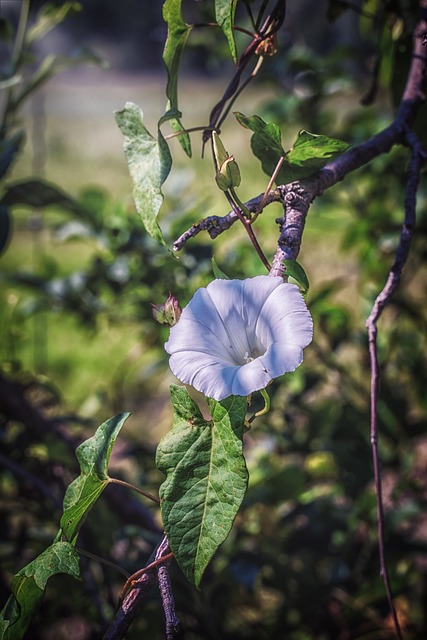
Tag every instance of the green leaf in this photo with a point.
(311, 152)
(224, 13)
(38, 193)
(178, 32)
(48, 17)
(93, 456)
(266, 143)
(295, 271)
(149, 163)
(28, 587)
(206, 478)
(218, 273)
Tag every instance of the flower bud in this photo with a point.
(228, 173)
(168, 313)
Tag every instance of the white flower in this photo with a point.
(235, 336)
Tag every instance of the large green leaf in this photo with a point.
(93, 456)
(149, 163)
(266, 143)
(206, 478)
(28, 587)
(178, 32)
(224, 13)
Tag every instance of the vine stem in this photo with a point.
(380, 303)
(249, 230)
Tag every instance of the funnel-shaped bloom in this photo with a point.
(235, 336)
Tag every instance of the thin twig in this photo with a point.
(381, 301)
(249, 230)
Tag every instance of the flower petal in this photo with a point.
(285, 316)
(235, 336)
(207, 374)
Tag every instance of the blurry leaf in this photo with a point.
(178, 32)
(149, 163)
(266, 142)
(224, 13)
(311, 152)
(335, 10)
(51, 66)
(28, 587)
(6, 31)
(206, 478)
(48, 17)
(38, 193)
(9, 147)
(5, 227)
(295, 270)
(93, 456)
(218, 273)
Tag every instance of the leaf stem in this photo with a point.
(128, 485)
(103, 561)
(265, 409)
(269, 186)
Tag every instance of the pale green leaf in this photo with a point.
(206, 478)
(28, 587)
(93, 456)
(224, 13)
(178, 32)
(149, 163)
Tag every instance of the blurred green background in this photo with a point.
(78, 342)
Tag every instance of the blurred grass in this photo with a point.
(83, 146)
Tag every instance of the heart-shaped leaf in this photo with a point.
(206, 478)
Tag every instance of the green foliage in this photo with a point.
(301, 561)
(178, 32)
(224, 14)
(149, 163)
(206, 478)
(29, 584)
(48, 17)
(309, 153)
(296, 271)
(93, 456)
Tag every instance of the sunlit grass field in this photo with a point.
(74, 142)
